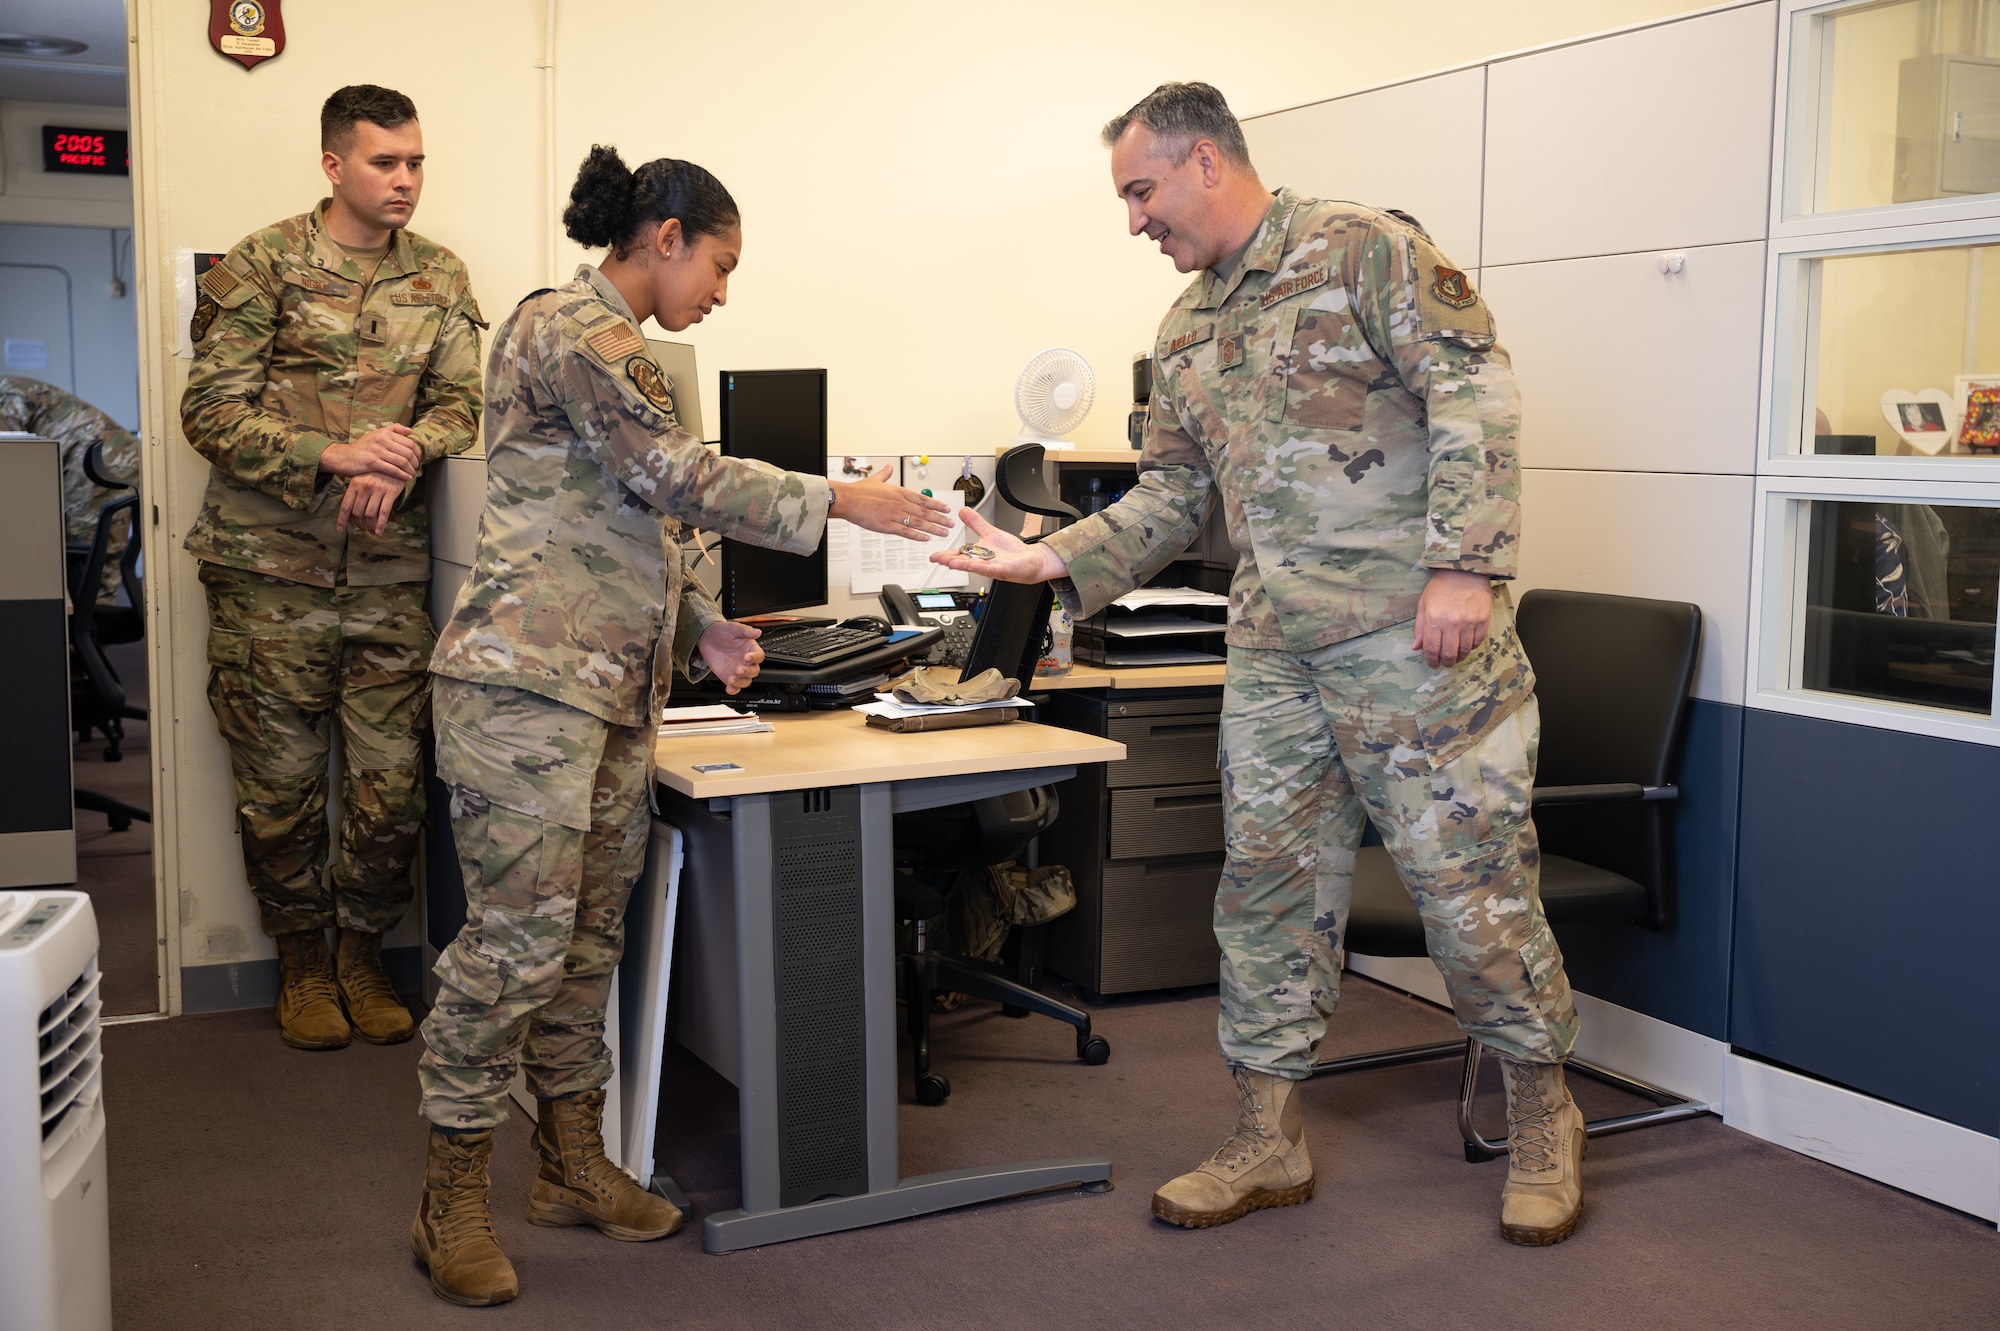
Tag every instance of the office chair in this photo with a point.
(1612, 677)
(97, 696)
(934, 845)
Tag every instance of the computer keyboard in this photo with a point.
(802, 649)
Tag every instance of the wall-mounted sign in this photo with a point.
(247, 31)
(87, 152)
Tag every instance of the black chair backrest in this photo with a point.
(1612, 677)
(1022, 484)
(88, 577)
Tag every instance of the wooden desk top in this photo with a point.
(838, 749)
(1131, 677)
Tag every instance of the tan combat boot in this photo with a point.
(453, 1232)
(379, 1016)
(578, 1185)
(1545, 1143)
(308, 1012)
(1264, 1162)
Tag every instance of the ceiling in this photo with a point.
(95, 76)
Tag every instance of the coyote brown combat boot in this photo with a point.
(1545, 1143)
(1264, 1162)
(378, 1016)
(308, 1012)
(578, 1185)
(453, 1232)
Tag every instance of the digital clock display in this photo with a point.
(90, 152)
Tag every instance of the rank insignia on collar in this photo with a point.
(652, 385)
(1452, 287)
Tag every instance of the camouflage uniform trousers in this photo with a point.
(549, 813)
(285, 660)
(1442, 762)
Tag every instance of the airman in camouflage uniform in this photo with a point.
(315, 618)
(45, 410)
(550, 678)
(1339, 390)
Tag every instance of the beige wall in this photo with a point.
(925, 207)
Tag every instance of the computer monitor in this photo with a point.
(776, 416)
(1011, 627)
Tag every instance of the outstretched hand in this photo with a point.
(732, 652)
(891, 509)
(1014, 560)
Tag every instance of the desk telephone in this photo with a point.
(921, 608)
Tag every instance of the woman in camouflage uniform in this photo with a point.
(550, 676)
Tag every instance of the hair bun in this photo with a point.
(601, 199)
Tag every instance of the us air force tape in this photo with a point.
(652, 385)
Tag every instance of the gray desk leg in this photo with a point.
(761, 1219)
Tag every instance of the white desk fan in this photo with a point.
(1052, 396)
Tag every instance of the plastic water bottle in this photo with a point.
(1061, 658)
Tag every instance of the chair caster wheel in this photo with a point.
(932, 1090)
(1475, 1155)
(1095, 1051)
(1008, 1010)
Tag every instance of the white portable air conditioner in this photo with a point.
(55, 1256)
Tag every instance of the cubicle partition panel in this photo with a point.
(37, 826)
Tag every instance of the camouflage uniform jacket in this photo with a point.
(1343, 396)
(293, 352)
(43, 409)
(578, 591)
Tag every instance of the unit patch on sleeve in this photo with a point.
(616, 341)
(1452, 287)
(205, 310)
(652, 385)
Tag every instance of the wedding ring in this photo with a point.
(906, 519)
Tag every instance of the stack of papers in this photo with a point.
(1148, 597)
(712, 719)
(885, 704)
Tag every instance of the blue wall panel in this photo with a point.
(1867, 920)
(1681, 974)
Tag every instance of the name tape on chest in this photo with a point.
(325, 286)
(1312, 278)
(616, 341)
(1193, 336)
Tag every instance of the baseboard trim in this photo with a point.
(232, 985)
(1942, 1161)
(1936, 1160)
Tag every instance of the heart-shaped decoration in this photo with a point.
(1926, 421)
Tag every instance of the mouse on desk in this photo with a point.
(869, 622)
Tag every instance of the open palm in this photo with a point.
(1014, 560)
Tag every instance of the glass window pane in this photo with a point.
(1908, 106)
(1904, 353)
(1899, 602)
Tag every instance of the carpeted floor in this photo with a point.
(256, 1186)
(116, 868)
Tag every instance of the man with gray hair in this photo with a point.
(1334, 382)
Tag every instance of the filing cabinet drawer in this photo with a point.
(1163, 750)
(1152, 821)
(1157, 924)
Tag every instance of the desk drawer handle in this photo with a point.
(1165, 731)
(1187, 801)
